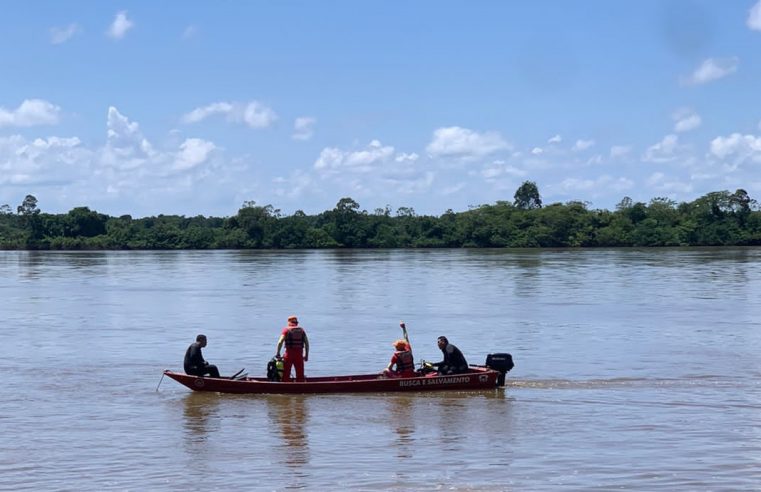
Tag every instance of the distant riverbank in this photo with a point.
(716, 219)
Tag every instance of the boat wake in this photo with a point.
(576, 384)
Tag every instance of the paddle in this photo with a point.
(237, 373)
(162, 378)
(424, 366)
(403, 326)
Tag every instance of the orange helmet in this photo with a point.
(400, 344)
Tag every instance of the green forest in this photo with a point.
(720, 218)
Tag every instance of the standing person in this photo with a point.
(194, 362)
(454, 362)
(296, 349)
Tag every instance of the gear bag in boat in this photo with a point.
(275, 369)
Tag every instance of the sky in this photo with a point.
(193, 108)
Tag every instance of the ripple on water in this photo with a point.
(635, 370)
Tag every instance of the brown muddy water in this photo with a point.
(635, 369)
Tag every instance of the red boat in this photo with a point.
(476, 378)
(490, 375)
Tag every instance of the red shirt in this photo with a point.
(407, 373)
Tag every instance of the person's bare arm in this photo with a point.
(279, 345)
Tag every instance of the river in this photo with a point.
(635, 369)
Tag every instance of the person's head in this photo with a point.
(293, 320)
(400, 344)
(201, 339)
(442, 341)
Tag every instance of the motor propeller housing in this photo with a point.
(501, 363)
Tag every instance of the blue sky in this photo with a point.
(193, 108)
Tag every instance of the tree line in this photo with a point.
(718, 218)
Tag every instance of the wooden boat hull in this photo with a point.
(476, 378)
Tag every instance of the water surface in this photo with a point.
(636, 369)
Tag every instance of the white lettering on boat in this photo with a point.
(434, 381)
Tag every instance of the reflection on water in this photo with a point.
(31, 264)
(400, 409)
(201, 419)
(449, 420)
(289, 421)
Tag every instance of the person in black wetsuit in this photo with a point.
(194, 361)
(454, 362)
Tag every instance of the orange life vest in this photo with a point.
(404, 361)
(294, 339)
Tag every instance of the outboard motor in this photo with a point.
(501, 363)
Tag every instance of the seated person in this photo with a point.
(195, 364)
(402, 363)
(454, 362)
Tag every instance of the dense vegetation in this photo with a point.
(718, 218)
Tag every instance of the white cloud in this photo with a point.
(619, 150)
(193, 152)
(738, 148)
(126, 173)
(595, 160)
(31, 112)
(464, 143)
(59, 35)
(120, 25)
(601, 183)
(685, 120)
(125, 148)
(403, 157)
(373, 171)
(53, 161)
(294, 185)
(330, 157)
(415, 184)
(661, 183)
(303, 128)
(374, 153)
(663, 151)
(712, 69)
(130, 168)
(365, 160)
(500, 168)
(754, 17)
(254, 114)
(582, 145)
(200, 114)
(537, 151)
(120, 130)
(555, 139)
